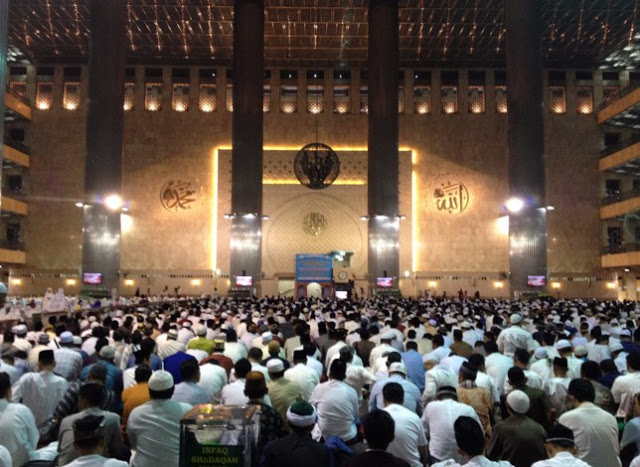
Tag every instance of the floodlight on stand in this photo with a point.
(514, 205)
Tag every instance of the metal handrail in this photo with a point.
(624, 248)
(18, 145)
(21, 97)
(620, 196)
(623, 92)
(620, 146)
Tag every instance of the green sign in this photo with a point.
(213, 455)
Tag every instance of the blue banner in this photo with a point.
(314, 268)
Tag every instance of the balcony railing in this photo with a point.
(12, 245)
(624, 248)
(21, 97)
(625, 143)
(17, 145)
(620, 196)
(623, 92)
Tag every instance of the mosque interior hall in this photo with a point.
(321, 147)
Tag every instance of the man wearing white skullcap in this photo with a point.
(517, 439)
(298, 448)
(153, 428)
(514, 337)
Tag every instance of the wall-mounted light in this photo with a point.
(129, 282)
(612, 285)
(401, 217)
(70, 282)
(16, 281)
(514, 205)
(196, 282)
(555, 285)
(364, 218)
(79, 204)
(432, 284)
(113, 202)
(407, 274)
(265, 217)
(498, 284)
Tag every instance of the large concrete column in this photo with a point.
(246, 166)
(4, 24)
(103, 162)
(383, 140)
(527, 228)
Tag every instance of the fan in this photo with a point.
(316, 166)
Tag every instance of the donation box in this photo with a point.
(219, 436)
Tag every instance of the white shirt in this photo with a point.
(153, 430)
(96, 460)
(562, 459)
(129, 377)
(306, 377)
(408, 435)
(357, 377)
(434, 379)
(596, 434)
(191, 393)
(235, 351)
(556, 389)
(18, 432)
(68, 363)
(315, 365)
(233, 393)
(497, 366)
(542, 368)
(624, 386)
(331, 351)
(438, 419)
(337, 405)
(212, 379)
(533, 381)
(454, 362)
(379, 351)
(437, 354)
(5, 456)
(514, 338)
(478, 461)
(483, 380)
(599, 352)
(41, 392)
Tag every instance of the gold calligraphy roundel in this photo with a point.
(314, 224)
(448, 196)
(180, 194)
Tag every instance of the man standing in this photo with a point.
(337, 405)
(41, 391)
(397, 374)
(18, 430)
(188, 391)
(154, 428)
(517, 439)
(595, 430)
(68, 361)
(409, 441)
(306, 377)
(91, 398)
(514, 337)
(438, 419)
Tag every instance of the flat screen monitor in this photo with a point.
(536, 281)
(244, 281)
(384, 282)
(341, 294)
(92, 278)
